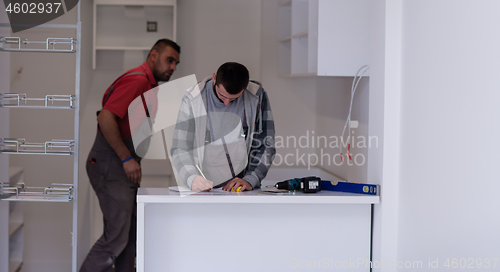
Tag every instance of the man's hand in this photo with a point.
(237, 182)
(109, 127)
(133, 170)
(201, 184)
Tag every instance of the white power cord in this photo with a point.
(355, 82)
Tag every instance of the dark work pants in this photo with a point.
(117, 199)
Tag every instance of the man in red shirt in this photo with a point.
(113, 166)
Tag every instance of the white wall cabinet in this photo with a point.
(323, 37)
(122, 24)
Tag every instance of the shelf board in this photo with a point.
(34, 152)
(300, 75)
(20, 146)
(15, 265)
(37, 50)
(41, 26)
(37, 107)
(294, 36)
(56, 192)
(38, 198)
(15, 226)
(15, 44)
(122, 48)
(15, 100)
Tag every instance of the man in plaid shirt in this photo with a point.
(224, 135)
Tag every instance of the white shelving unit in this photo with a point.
(16, 193)
(323, 37)
(122, 24)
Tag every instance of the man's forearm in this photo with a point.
(260, 161)
(183, 146)
(185, 165)
(110, 130)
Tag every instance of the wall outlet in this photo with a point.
(354, 124)
(152, 26)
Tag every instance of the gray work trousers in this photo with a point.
(117, 199)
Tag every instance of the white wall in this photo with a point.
(217, 31)
(333, 98)
(449, 131)
(384, 116)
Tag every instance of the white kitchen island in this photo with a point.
(251, 231)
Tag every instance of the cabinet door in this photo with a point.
(323, 37)
(343, 36)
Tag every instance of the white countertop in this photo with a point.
(164, 195)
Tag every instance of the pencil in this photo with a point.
(201, 172)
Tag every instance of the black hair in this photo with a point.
(233, 76)
(162, 43)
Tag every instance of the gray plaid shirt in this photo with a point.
(189, 136)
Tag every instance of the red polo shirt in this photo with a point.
(125, 91)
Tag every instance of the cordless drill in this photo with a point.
(307, 185)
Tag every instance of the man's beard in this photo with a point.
(160, 76)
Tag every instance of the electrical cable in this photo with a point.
(357, 78)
